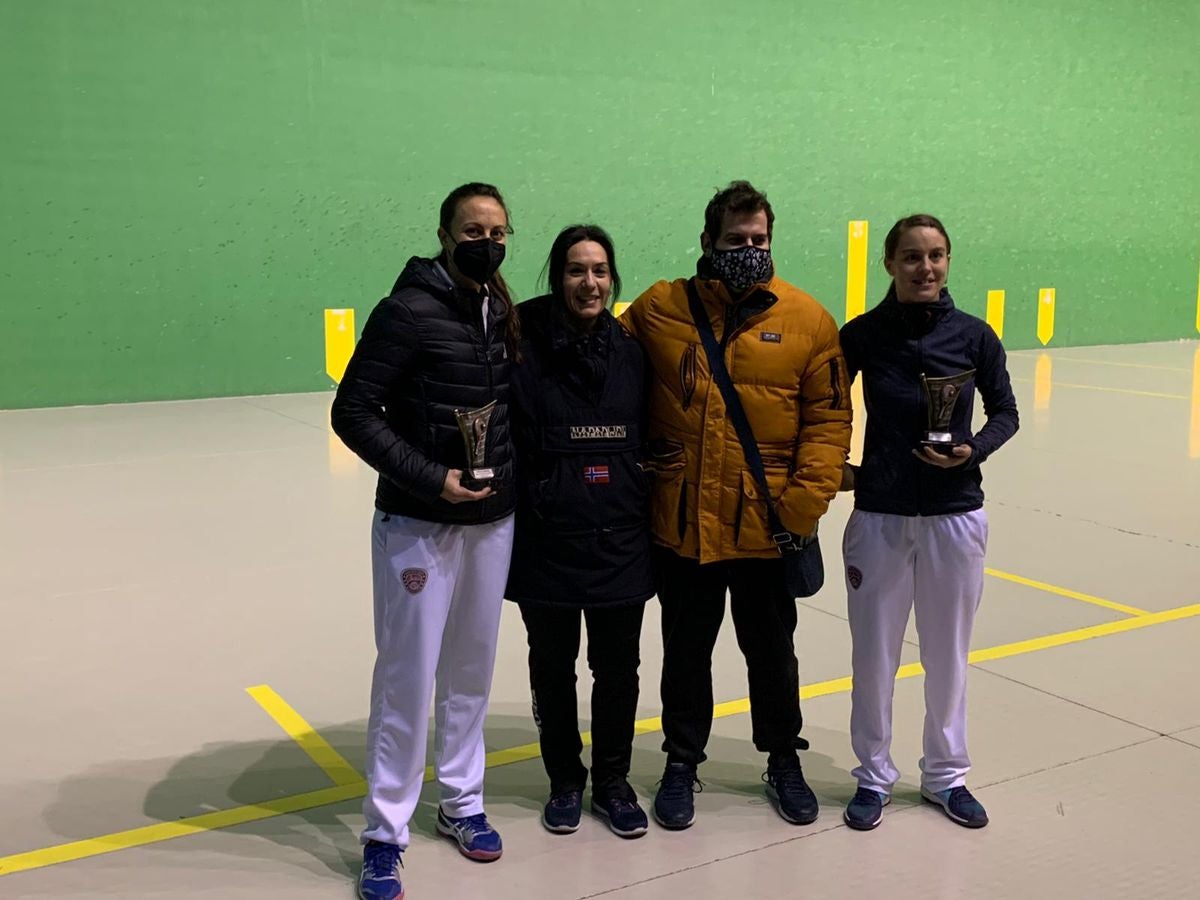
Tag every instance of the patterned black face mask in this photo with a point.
(742, 268)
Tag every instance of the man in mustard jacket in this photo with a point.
(709, 518)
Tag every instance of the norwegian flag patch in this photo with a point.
(414, 580)
(596, 474)
(855, 577)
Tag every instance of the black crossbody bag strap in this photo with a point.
(733, 408)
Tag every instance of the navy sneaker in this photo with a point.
(476, 839)
(562, 812)
(865, 809)
(380, 878)
(959, 805)
(787, 790)
(674, 807)
(617, 805)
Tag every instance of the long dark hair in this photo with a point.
(919, 220)
(497, 286)
(556, 263)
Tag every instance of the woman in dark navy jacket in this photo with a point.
(918, 532)
(582, 544)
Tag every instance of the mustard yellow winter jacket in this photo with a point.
(787, 365)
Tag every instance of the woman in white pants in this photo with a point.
(438, 347)
(918, 533)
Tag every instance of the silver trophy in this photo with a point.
(941, 396)
(473, 425)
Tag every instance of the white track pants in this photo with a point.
(438, 594)
(893, 564)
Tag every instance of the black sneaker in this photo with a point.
(674, 807)
(787, 790)
(959, 805)
(562, 811)
(865, 809)
(618, 806)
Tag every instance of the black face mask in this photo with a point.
(479, 259)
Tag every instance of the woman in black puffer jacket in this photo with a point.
(439, 345)
(582, 544)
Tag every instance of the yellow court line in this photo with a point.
(1083, 634)
(318, 749)
(165, 831)
(1110, 390)
(1066, 592)
(151, 834)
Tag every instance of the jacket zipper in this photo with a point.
(835, 378)
(920, 404)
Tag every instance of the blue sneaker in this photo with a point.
(562, 812)
(959, 805)
(865, 809)
(617, 805)
(787, 790)
(674, 806)
(476, 839)
(380, 878)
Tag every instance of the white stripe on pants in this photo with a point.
(437, 632)
(934, 563)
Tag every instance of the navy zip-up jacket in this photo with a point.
(892, 345)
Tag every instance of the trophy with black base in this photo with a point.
(941, 397)
(473, 425)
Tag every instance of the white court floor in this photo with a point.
(157, 560)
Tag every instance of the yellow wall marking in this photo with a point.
(1045, 316)
(1194, 431)
(856, 268)
(619, 308)
(1043, 382)
(339, 341)
(152, 834)
(995, 312)
(1065, 592)
(318, 749)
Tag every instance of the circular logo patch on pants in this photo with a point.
(414, 580)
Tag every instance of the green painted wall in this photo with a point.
(187, 185)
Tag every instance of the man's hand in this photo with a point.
(454, 492)
(961, 453)
(848, 473)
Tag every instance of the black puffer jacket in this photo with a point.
(892, 345)
(423, 353)
(582, 534)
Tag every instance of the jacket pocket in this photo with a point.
(751, 530)
(669, 506)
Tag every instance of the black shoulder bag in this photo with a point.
(803, 570)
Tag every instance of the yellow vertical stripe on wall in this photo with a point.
(339, 341)
(1045, 317)
(995, 312)
(856, 268)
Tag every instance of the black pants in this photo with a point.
(613, 645)
(764, 617)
